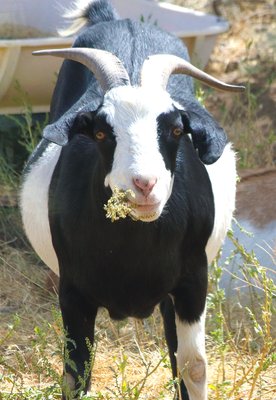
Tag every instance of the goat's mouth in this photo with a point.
(144, 212)
(144, 207)
(122, 204)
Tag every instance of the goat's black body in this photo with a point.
(108, 262)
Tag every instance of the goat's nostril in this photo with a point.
(145, 185)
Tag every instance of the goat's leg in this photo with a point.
(78, 320)
(168, 314)
(189, 302)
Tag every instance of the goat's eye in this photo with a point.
(100, 136)
(177, 132)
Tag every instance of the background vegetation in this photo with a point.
(131, 358)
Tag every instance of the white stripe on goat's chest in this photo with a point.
(34, 205)
(223, 178)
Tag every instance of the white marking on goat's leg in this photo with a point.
(69, 385)
(191, 357)
(69, 381)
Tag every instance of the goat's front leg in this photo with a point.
(78, 320)
(189, 302)
(168, 314)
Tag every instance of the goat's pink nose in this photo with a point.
(145, 185)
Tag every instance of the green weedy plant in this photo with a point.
(29, 128)
(216, 300)
(253, 350)
(8, 373)
(8, 176)
(200, 93)
(260, 314)
(71, 394)
(126, 391)
(38, 365)
(29, 133)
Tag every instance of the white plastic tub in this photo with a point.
(36, 76)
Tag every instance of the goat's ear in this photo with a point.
(61, 131)
(56, 133)
(208, 137)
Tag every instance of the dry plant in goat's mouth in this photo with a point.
(119, 206)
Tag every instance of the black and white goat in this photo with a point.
(123, 120)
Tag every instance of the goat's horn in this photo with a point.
(106, 67)
(157, 69)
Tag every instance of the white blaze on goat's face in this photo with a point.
(138, 163)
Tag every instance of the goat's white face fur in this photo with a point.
(133, 112)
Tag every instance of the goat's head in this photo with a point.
(138, 128)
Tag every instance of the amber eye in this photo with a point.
(100, 136)
(177, 132)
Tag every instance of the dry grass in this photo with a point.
(127, 353)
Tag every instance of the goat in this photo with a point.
(133, 123)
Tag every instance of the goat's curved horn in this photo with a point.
(157, 69)
(106, 67)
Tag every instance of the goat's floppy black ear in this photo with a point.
(208, 137)
(56, 133)
(61, 131)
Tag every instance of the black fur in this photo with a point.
(100, 12)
